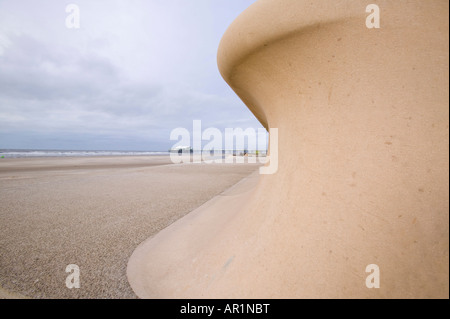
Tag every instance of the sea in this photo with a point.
(12, 153)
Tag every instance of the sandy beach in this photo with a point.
(92, 212)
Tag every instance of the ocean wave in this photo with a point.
(58, 153)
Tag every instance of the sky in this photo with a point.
(132, 72)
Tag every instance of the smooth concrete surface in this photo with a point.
(363, 173)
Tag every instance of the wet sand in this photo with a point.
(92, 212)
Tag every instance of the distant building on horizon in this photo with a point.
(181, 149)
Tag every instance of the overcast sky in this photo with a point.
(132, 72)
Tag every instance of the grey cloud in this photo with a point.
(35, 70)
(94, 90)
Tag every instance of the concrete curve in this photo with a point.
(362, 116)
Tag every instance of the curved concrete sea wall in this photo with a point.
(363, 166)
